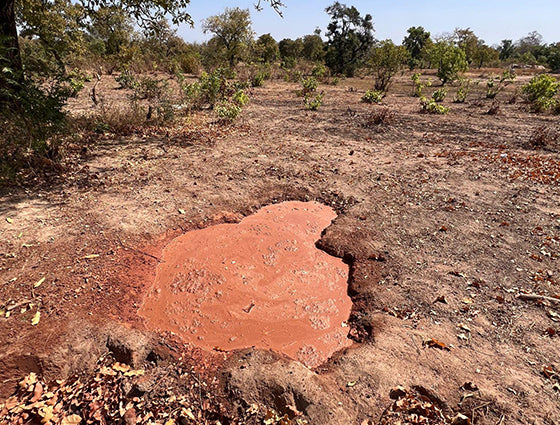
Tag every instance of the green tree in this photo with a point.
(290, 51)
(467, 40)
(553, 56)
(506, 49)
(142, 11)
(350, 37)
(416, 43)
(485, 55)
(385, 62)
(112, 28)
(233, 29)
(530, 43)
(266, 48)
(449, 59)
(313, 48)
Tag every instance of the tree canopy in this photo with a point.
(350, 37)
(233, 30)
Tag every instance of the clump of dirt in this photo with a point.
(259, 283)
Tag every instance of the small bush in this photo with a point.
(76, 81)
(439, 95)
(495, 85)
(335, 81)
(373, 96)
(419, 85)
(463, 90)
(430, 106)
(258, 80)
(227, 112)
(157, 93)
(540, 92)
(319, 71)
(314, 102)
(308, 85)
(293, 76)
(240, 98)
(126, 80)
(210, 89)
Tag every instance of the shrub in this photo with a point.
(450, 59)
(373, 96)
(313, 102)
(463, 90)
(319, 71)
(495, 85)
(439, 95)
(227, 112)
(76, 81)
(157, 93)
(258, 80)
(210, 89)
(308, 86)
(335, 81)
(540, 92)
(419, 85)
(126, 80)
(430, 106)
(240, 98)
(386, 60)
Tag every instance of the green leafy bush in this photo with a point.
(240, 98)
(313, 101)
(157, 93)
(439, 95)
(419, 85)
(430, 106)
(258, 79)
(126, 80)
(463, 90)
(308, 85)
(373, 96)
(76, 81)
(211, 88)
(495, 85)
(319, 71)
(540, 92)
(227, 111)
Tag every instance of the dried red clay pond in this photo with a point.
(259, 283)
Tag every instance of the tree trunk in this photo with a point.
(9, 46)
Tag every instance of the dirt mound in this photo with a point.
(260, 283)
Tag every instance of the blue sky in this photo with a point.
(492, 20)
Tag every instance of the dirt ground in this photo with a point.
(446, 221)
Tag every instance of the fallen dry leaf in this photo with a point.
(71, 420)
(39, 282)
(36, 318)
(434, 343)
